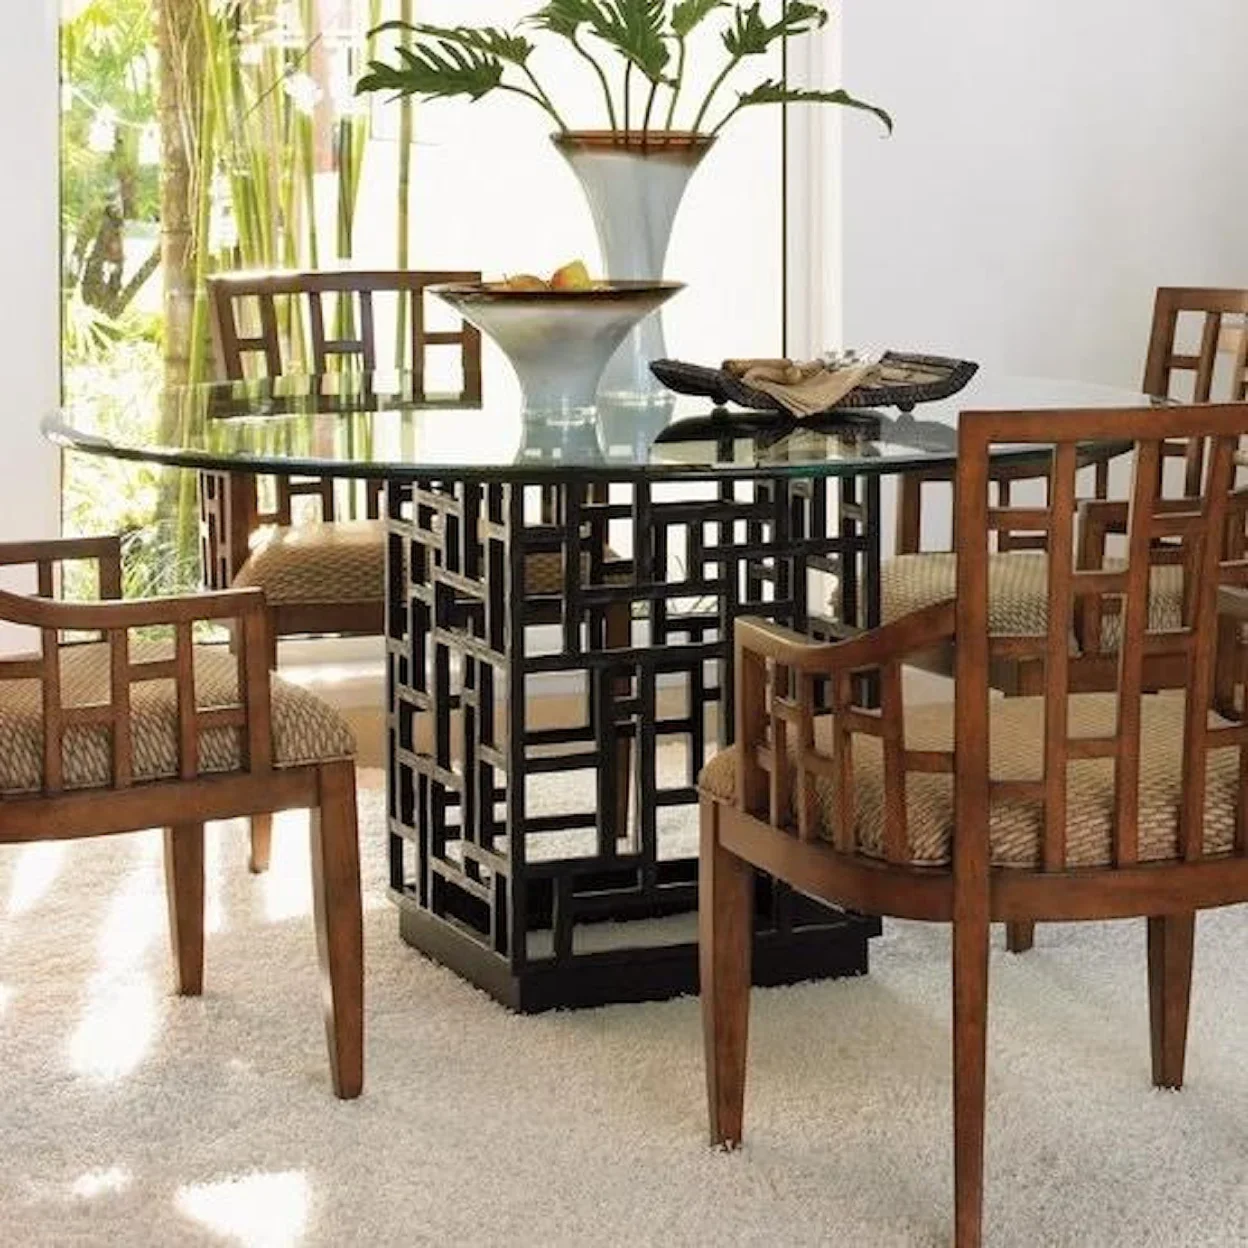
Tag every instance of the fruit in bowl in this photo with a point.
(567, 279)
(571, 276)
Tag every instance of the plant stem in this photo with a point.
(537, 99)
(403, 228)
(645, 120)
(544, 98)
(680, 82)
(710, 95)
(602, 78)
(628, 80)
(725, 119)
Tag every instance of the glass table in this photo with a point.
(677, 519)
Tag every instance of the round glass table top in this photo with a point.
(353, 424)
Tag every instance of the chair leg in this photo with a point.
(271, 637)
(1170, 944)
(1019, 937)
(184, 889)
(261, 843)
(339, 925)
(725, 938)
(619, 630)
(970, 1035)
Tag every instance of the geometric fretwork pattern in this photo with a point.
(636, 640)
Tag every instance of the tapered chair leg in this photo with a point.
(1019, 937)
(970, 1036)
(261, 844)
(1170, 944)
(725, 938)
(339, 925)
(184, 889)
(271, 639)
(619, 630)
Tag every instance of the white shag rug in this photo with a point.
(132, 1117)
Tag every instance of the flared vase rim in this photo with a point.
(635, 141)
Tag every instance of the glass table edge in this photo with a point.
(67, 437)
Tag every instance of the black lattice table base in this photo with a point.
(555, 864)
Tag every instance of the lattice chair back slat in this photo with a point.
(1209, 532)
(1223, 319)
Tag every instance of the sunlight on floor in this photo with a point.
(119, 1020)
(136, 915)
(6, 995)
(37, 866)
(287, 884)
(219, 843)
(101, 1182)
(116, 1028)
(259, 1210)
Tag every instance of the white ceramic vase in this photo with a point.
(634, 184)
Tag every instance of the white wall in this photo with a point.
(29, 327)
(1054, 161)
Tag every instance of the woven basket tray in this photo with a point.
(722, 387)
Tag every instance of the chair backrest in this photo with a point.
(1201, 530)
(1222, 319)
(1195, 330)
(260, 316)
(256, 320)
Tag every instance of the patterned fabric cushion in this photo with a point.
(305, 730)
(1018, 592)
(1017, 728)
(346, 562)
(309, 563)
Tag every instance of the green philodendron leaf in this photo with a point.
(491, 40)
(750, 35)
(488, 39)
(565, 17)
(434, 71)
(688, 14)
(772, 92)
(637, 30)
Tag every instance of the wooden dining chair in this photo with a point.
(322, 571)
(1018, 601)
(1061, 806)
(133, 731)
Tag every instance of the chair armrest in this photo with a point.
(776, 711)
(917, 631)
(250, 714)
(135, 613)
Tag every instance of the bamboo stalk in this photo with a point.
(403, 248)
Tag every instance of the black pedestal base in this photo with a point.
(656, 973)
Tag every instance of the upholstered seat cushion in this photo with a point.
(1017, 727)
(305, 729)
(319, 563)
(1018, 591)
(346, 562)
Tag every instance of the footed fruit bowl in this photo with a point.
(558, 340)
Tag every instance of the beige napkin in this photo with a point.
(802, 388)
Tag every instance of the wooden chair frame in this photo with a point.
(226, 546)
(770, 823)
(1163, 362)
(182, 805)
